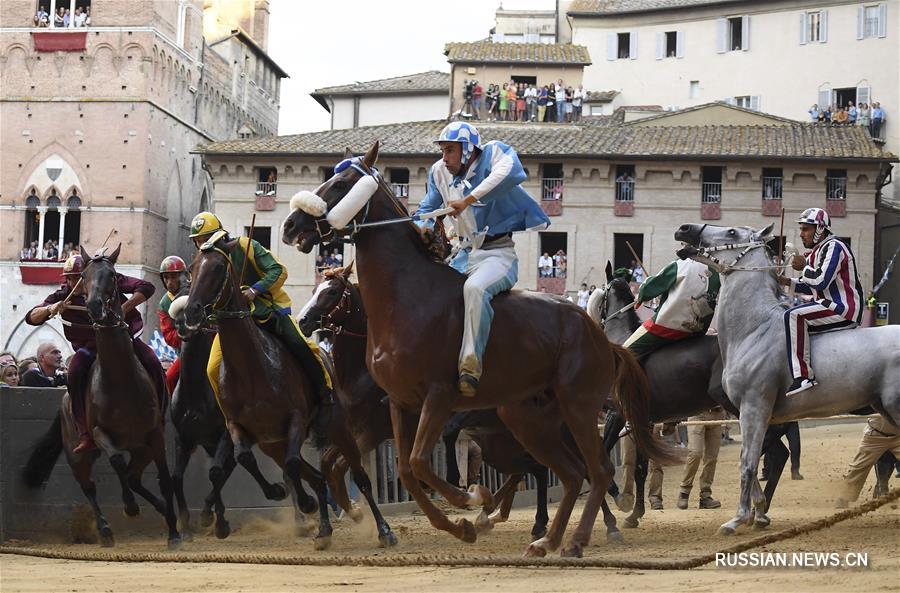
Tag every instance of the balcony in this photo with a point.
(552, 196)
(266, 192)
(711, 200)
(836, 196)
(771, 195)
(624, 202)
(41, 272)
(401, 192)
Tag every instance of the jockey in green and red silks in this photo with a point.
(81, 336)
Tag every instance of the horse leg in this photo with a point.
(140, 459)
(81, 469)
(117, 461)
(777, 454)
(404, 435)
(505, 494)
(640, 482)
(883, 468)
(541, 518)
(226, 451)
(183, 451)
(753, 428)
(613, 535)
(158, 448)
(329, 468)
(386, 537)
(296, 468)
(214, 498)
(244, 454)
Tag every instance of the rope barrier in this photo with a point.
(450, 560)
(736, 421)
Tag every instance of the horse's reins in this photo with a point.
(344, 306)
(108, 302)
(732, 267)
(216, 307)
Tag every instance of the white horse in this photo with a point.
(855, 368)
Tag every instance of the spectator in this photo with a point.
(87, 18)
(545, 265)
(570, 95)
(559, 264)
(512, 96)
(504, 102)
(50, 250)
(560, 103)
(578, 102)
(520, 102)
(338, 258)
(863, 119)
(42, 17)
(67, 18)
(583, 296)
(551, 103)
(531, 96)
(592, 289)
(48, 372)
(624, 186)
(814, 113)
(542, 103)
(80, 16)
(26, 364)
(9, 375)
(852, 113)
(7, 357)
(490, 99)
(704, 442)
(477, 94)
(826, 115)
(637, 273)
(879, 436)
(877, 120)
(58, 18)
(841, 117)
(26, 253)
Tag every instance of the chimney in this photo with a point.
(260, 29)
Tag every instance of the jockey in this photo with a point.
(171, 270)
(486, 177)
(688, 292)
(81, 335)
(270, 306)
(829, 275)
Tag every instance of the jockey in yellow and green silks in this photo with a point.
(270, 306)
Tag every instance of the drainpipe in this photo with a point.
(883, 179)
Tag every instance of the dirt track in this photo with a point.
(669, 534)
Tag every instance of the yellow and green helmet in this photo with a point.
(205, 223)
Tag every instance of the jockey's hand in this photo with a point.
(249, 294)
(427, 235)
(637, 305)
(57, 308)
(783, 280)
(798, 262)
(460, 205)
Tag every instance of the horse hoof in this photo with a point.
(630, 523)
(106, 537)
(309, 506)
(539, 532)
(479, 495)
(322, 542)
(388, 540)
(726, 530)
(223, 530)
(761, 522)
(174, 542)
(573, 552)
(355, 513)
(614, 537)
(186, 535)
(535, 550)
(276, 492)
(469, 535)
(483, 523)
(132, 510)
(304, 528)
(206, 517)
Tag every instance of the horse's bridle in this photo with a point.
(727, 268)
(334, 319)
(118, 321)
(215, 309)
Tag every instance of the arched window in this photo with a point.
(32, 226)
(72, 225)
(52, 226)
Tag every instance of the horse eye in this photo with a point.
(731, 232)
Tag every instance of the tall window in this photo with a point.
(836, 184)
(552, 178)
(711, 185)
(62, 14)
(814, 26)
(623, 244)
(772, 182)
(267, 181)
(400, 182)
(872, 21)
(735, 34)
(261, 234)
(552, 261)
(625, 183)
(624, 47)
(694, 89)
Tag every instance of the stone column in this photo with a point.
(51, 25)
(62, 230)
(71, 25)
(42, 212)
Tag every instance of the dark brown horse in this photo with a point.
(123, 412)
(537, 344)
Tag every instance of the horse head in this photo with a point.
(331, 304)
(213, 286)
(101, 289)
(176, 310)
(702, 241)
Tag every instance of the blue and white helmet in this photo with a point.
(464, 133)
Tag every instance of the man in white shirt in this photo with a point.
(583, 296)
(545, 265)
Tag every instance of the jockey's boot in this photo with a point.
(467, 385)
(800, 384)
(85, 443)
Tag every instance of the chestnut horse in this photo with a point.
(123, 411)
(537, 344)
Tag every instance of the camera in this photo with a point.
(469, 89)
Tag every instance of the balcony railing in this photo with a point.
(401, 190)
(712, 192)
(265, 188)
(624, 191)
(836, 188)
(771, 188)
(553, 189)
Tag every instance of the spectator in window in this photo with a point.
(87, 12)
(545, 265)
(320, 264)
(27, 253)
(570, 96)
(530, 102)
(852, 113)
(477, 94)
(560, 103)
(863, 118)
(48, 372)
(80, 16)
(42, 17)
(542, 103)
(578, 98)
(67, 18)
(520, 102)
(623, 185)
(59, 17)
(814, 113)
(559, 268)
(551, 103)
(637, 273)
(504, 102)
(877, 119)
(338, 258)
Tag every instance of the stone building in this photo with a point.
(98, 126)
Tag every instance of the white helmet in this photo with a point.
(819, 218)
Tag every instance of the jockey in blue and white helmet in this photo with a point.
(829, 275)
(486, 176)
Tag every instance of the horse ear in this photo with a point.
(371, 155)
(348, 154)
(85, 258)
(115, 254)
(763, 233)
(348, 270)
(230, 245)
(609, 271)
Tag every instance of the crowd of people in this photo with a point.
(553, 267)
(519, 101)
(871, 117)
(51, 251)
(45, 369)
(63, 17)
(328, 260)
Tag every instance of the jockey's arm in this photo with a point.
(506, 173)
(821, 276)
(52, 305)
(168, 329)
(272, 272)
(140, 291)
(431, 202)
(658, 284)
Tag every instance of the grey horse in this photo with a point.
(753, 345)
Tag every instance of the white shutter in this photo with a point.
(730, 100)
(679, 44)
(803, 17)
(824, 98)
(721, 36)
(660, 45)
(754, 102)
(882, 19)
(745, 32)
(612, 42)
(860, 22)
(823, 26)
(632, 45)
(863, 94)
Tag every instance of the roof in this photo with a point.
(260, 52)
(600, 8)
(670, 118)
(599, 139)
(421, 82)
(600, 96)
(488, 52)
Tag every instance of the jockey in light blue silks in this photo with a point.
(829, 275)
(481, 183)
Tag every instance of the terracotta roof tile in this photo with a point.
(432, 80)
(614, 7)
(486, 51)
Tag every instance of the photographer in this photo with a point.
(48, 372)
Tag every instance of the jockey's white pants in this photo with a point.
(490, 271)
(799, 323)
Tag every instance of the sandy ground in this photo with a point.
(668, 534)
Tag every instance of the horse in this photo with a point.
(337, 306)
(198, 421)
(124, 412)
(537, 344)
(685, 377)
(753, 344)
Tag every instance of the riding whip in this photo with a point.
(781, 242)
(637, 259)
(77, 284)
(247, 252)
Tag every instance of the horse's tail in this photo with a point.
(44, 455)
(632, 389)
(593, 306)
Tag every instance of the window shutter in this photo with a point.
(612, 43)
(679, 44)
(803, 17)
(721, 37)
(660, 45)
(824, 98)
(860, 22)
(863, 94)
(823, 26)
(745, 32)
(754, 102)
(730, 100)
(882, 20)
(632, 45)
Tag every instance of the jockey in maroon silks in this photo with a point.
(81, 335)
